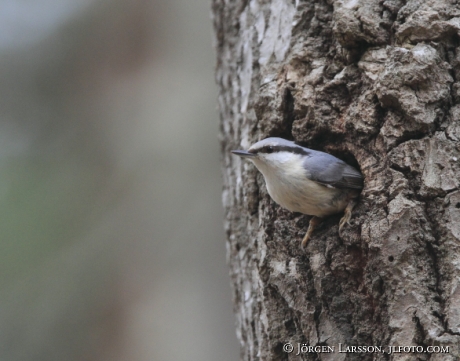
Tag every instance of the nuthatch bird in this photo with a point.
(305, 180)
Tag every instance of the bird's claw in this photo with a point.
(347, 216)
(311, 226)
(345, 220)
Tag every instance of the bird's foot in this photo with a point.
(347, 215)
(311, 226)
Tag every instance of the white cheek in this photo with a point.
(281, 157)
(283, 161)
(280, 169)
(287, 164)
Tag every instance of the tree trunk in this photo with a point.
(374, 83)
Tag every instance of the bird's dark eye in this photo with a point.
(269, 149)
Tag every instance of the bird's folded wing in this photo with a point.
(330, 171)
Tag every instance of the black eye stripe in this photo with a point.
(281, 148)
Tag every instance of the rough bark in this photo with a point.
(375, 83)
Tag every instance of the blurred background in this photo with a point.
(111, 245)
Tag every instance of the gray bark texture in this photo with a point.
(375, 83)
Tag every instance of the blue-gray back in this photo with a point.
(328, 170)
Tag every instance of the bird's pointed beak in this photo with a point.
(244, 153)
